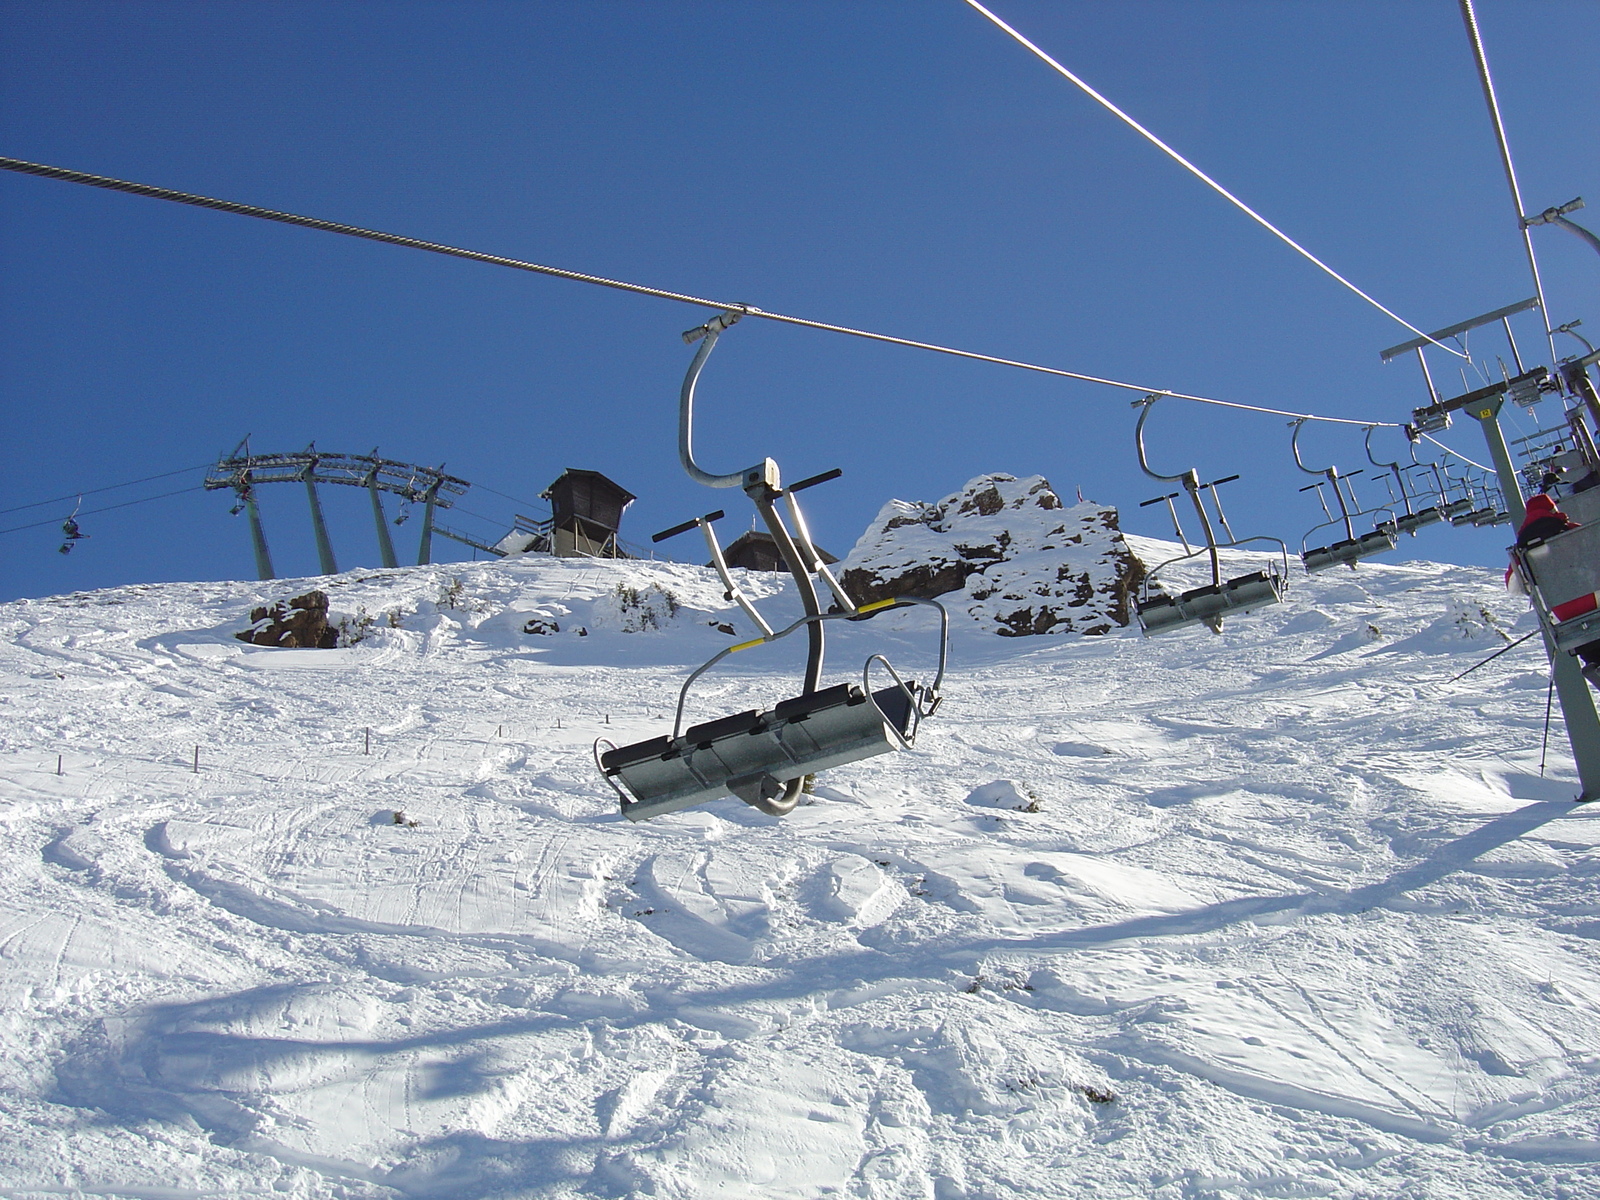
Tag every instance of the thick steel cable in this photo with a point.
(96, 491)
(1201, 175)
(1470, 19)
(395, 239)
(94, 511)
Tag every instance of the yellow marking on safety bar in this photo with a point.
(746, 645)
(877, 604)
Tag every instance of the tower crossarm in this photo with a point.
(406, 480)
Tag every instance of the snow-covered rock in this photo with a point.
(1025, 563)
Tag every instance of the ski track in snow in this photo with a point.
(1281, 913)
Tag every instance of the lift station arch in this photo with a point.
(243, 472)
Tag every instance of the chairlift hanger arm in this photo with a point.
(1329, 473)
(1190, 479)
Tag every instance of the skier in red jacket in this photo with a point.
(1545, 520)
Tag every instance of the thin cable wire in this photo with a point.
(467, 512)
(1201, 175)
(514, 499)
(268, 214)
(94, 511)
(1459, 455)
(1470, 18)
(96, 491)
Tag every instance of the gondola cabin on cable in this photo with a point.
(1160, 610)
(764, 756)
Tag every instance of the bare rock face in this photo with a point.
(298, 623)
(1025, 563)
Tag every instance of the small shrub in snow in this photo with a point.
(452, 594)
(353, 630)
(645, 608)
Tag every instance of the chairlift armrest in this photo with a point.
(813, 480)
(1220, 482)
(1310, 487)
(686, 526)
(1158, 499)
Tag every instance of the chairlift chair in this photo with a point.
(1563, 577)
(1479, 508)
(70, 531)
(1353, 547)
(1412, 519)
(1450, 509)
(1160, 610)
(764, 756)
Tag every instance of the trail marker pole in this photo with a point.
(368, 750)
(58, 764)
(196, 768)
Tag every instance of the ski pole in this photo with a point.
(1494, 656)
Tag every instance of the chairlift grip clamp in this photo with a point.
(718, 323)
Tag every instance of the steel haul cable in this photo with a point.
(93, 511)
(1470, 19)
(1201, 175)
(109, 488)
(267, 214)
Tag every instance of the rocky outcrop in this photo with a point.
(298, 623)
(1026, 563)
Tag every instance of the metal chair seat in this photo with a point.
(1348, 552)
(1421, 519)
(753, 753)
(1165, 612)
(1456, 511)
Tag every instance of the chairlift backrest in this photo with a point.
(1353, 547)
(1564, 574)
(764, 757)
(1159, 609)
(1414, 518)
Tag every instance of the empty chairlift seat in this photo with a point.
(1421, 519)
(752, 754)
(1350, 551)
(1203, 605)
(1566, 570)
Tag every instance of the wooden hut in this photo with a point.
(586, 513)
(756, 551)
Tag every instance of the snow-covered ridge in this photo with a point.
(1007, 553)
(1284, 912)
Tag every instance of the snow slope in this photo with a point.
(1278, 913)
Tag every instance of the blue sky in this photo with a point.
(901, 167)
